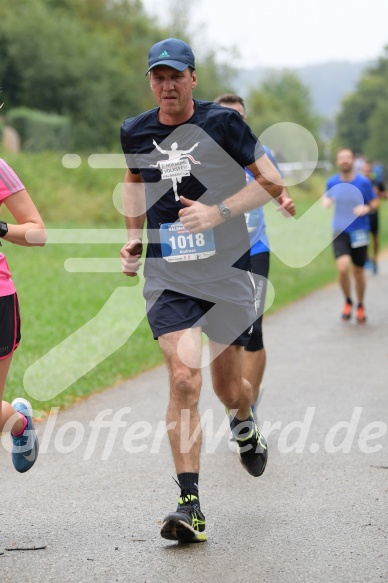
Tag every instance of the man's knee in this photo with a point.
(343, 262)
(230, 392)
(185, 384)
(358, 271)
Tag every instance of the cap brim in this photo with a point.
(173, 64)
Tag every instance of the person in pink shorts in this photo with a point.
(27, 230)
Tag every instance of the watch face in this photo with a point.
(225, 212)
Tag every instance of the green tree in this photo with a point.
(352, 122)
(377, 145)
(282, 97)
(360, 123)
(85, 60)
(57, 63)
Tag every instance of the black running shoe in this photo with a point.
(187, 524)
(253, 452)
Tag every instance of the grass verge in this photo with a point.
(85, 331)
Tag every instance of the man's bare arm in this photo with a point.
(134, 205)
(135, 215)
(267, 185)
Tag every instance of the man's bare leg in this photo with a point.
(182, 351)
(235, 392)
(185, 388)
(253, 369)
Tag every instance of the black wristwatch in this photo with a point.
(224, 211)
(3, 228)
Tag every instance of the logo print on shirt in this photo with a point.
(177, 166)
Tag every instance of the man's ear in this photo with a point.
(194, 79)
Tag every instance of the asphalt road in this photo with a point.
(97, 495)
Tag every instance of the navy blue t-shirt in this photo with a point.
(204, 158)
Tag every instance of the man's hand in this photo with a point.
(287, 206)
(130, 257)
(326, 202)
(361, 210)
(198, 217)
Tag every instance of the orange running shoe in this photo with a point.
(347, 311)
(361, 317)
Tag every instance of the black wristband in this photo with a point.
(3, 228)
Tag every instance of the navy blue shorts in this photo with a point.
(227, 320)
(374, 222)
(9, 325)
(260, 267)
(342, 246)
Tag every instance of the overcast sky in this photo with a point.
(287, 33)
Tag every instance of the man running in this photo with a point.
(197, 264)
(254, 358)
(354, 198)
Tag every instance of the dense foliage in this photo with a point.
(281, 97)
(362, 122)
(72, 70)
(85, 59)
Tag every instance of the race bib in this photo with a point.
(252, 220)
(359, 238)
(178, 244)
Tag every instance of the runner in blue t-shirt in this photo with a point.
(353, 197)
(254, 353)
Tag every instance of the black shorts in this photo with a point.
(260, 267)
(9, 325)
(374, 223)
(227, 319)
(341, 246)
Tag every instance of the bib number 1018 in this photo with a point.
(178, 244)
(190, 240)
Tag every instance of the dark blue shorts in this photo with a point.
(374, 222)
(9, 325)
(260, 267)
(227, 320)
(342, 246)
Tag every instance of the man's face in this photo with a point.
(173, 89)
(366, 169)
(345, 160)
(236, 106)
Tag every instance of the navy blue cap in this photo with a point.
(172, 52)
